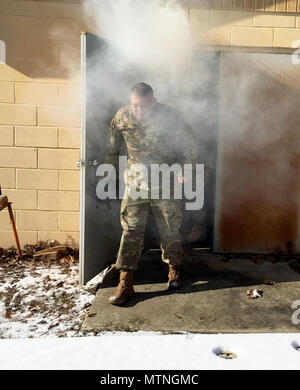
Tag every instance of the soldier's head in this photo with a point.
(142, 101)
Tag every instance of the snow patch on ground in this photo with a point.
(152, 351)
(42, 302)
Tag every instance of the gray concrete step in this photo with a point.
(213, 300)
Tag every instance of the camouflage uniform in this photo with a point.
(151, 142)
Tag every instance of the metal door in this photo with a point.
(104, 89)
(258, 186)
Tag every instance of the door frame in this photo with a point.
(82, 162)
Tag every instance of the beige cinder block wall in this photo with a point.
(40, 98)
(248, 23)
(40, 119)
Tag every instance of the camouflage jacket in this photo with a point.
(164, 138)
(159, 140)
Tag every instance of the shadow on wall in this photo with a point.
(51, 66)
(42, 40)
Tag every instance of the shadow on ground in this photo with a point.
(213, 300)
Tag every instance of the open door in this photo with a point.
(104, 89)
(258, 175)
(106, 82)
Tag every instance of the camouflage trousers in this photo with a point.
(168, 218)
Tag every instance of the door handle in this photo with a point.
(80, 163)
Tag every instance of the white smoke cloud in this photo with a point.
(155, 45)
(151, 41)
(152, 34)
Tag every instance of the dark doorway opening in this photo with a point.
(101, 72)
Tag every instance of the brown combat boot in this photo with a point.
(175, 281)
(124, 289)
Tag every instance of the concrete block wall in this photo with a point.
(40, 98)
(40, 119)
(249, 23)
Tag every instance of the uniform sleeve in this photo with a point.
(115, 141)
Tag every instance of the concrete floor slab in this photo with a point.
(213, 300)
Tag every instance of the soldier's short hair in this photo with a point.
(142, 90)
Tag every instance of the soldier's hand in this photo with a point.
(182, 179)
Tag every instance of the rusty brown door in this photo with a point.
(258, 186)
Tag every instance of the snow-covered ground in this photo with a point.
(152, 351)
(42, 309)
(42, 301)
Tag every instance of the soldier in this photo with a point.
(151, 133)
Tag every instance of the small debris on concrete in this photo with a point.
(254, 294)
